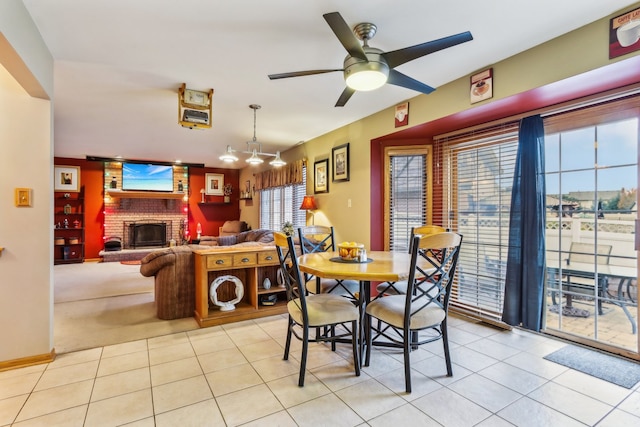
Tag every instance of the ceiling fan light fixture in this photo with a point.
(228, 156)
(365, 76)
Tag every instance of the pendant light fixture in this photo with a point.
(253, 147)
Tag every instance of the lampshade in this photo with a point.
(308, 203)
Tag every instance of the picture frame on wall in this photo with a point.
(481, 86)
(214, 184)
(340, 171)
(321, 176)
(66, 178)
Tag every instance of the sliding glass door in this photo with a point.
(591, 184)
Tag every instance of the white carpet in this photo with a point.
(98, 304)
(89, 280)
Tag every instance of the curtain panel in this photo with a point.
(289, 174)
(524, 285)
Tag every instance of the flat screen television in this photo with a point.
(147, 177)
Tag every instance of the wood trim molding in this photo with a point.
(28, 361)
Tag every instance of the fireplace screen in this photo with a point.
(147, 233)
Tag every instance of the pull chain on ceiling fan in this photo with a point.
(367, 68)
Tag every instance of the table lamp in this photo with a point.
(309, 204)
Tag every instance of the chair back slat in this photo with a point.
(294, 284)
(316, 238)
(431, 284)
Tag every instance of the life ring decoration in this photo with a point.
(226, 305)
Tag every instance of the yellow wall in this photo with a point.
(26, 158)
(577, 52)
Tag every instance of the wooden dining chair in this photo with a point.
(313, 311)
(320, 238)
(419, 316)
(398, 288)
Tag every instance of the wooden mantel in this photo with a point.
(120, 194)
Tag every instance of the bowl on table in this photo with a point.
(349, 250)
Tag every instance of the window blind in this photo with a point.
(282, 204)
(478, 169)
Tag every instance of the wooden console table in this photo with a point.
(251, 265)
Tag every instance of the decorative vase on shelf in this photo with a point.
(227, 199)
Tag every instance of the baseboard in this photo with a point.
(28, 361)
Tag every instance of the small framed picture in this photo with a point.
(320, 176)
(481, 86)
(402, 114)
(66, 178)
(214, 184)
(340, 156)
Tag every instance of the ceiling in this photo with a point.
(119, 64)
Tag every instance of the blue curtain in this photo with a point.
(524, 286)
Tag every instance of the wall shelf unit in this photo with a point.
(213, 203)
(68, 213)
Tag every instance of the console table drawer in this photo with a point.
(268, 258)
(245, 260)
(219, 261)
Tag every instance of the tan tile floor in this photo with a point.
(234, 375)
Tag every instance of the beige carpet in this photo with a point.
(98, 304)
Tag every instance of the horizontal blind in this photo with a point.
(478, 171)
(282, 204)
(407, 199)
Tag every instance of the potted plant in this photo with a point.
(287, 228)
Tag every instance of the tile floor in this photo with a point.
(234, 375)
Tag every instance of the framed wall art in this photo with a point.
(481, 86)
(66, 178)
(340, 156)
(214, 184)
(402, 114)
(320, 176)
(624, 34)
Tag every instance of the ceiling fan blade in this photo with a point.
(399, 79)
(400, 56)
(345, 35)
(301, 73)
(344, 97)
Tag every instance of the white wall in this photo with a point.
(26, 160)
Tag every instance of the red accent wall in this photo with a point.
(617, 75)
(211, 217)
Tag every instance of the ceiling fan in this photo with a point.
(367, 68)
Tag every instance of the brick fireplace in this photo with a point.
(123, 210)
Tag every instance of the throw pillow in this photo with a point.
(227, 240)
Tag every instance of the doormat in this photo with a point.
(624, 373)
(133, 262)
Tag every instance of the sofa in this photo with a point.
(231, 228)
(174, 271)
